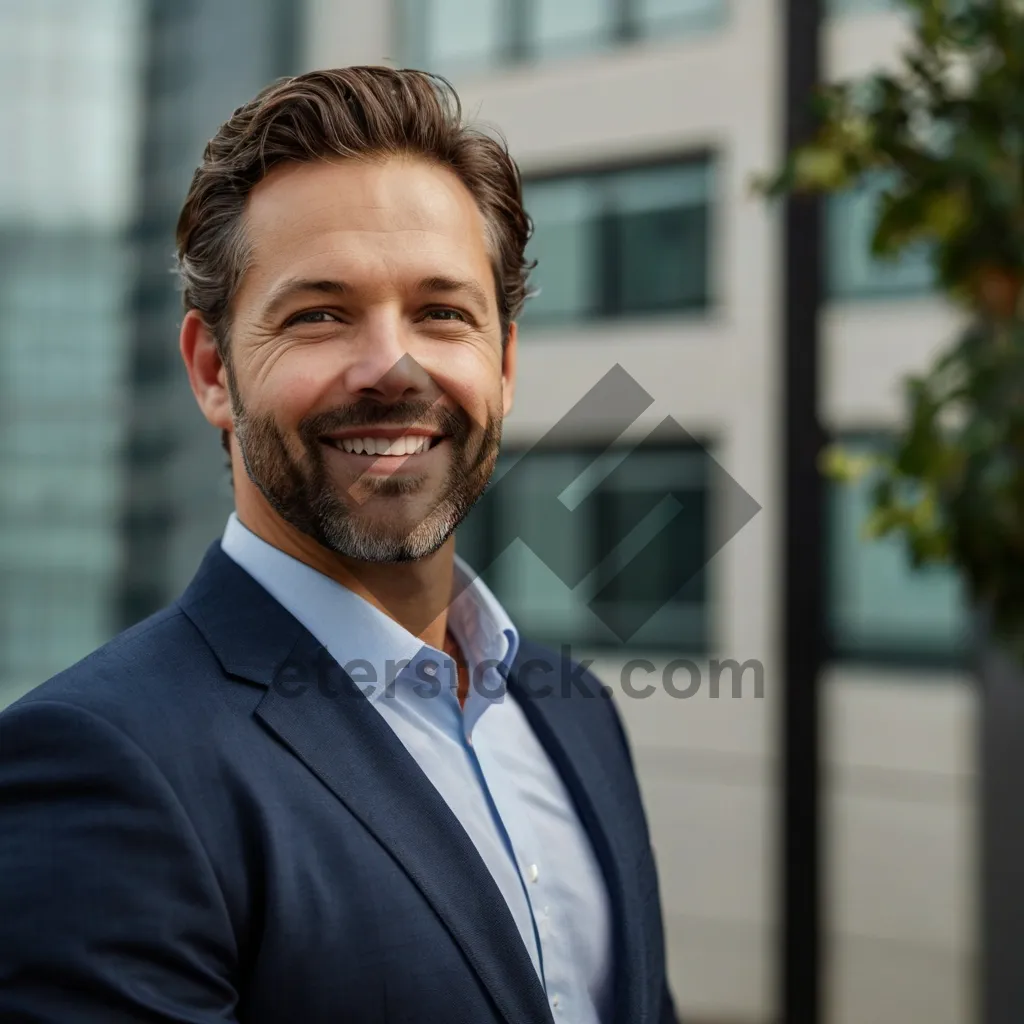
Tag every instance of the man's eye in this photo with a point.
(445, 314)
(312, 316)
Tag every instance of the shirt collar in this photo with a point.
(353, 630)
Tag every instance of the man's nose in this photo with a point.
(384, 369)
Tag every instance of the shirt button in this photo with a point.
(554, 1002)
(469, 741)
(533, 872)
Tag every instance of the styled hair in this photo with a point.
(354, 112)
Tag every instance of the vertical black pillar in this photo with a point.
(800, 988)
(1001, 839)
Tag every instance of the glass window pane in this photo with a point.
(50, 619)
(880, 607)
(539, 602)
(639, 555)
(624, 242)
(860, 6)
(652, 513)
(566, 25)
(852, 270)
(564, 243)
(73, 68)
(661, 188)
(456, 35)
(661, 233)
(680, 15)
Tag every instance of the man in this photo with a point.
(331, 782)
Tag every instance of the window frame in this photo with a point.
(519, 43)
(876, 655)
(836, 292)
(589, 449)
(607, 267)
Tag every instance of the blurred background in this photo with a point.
(638, 125)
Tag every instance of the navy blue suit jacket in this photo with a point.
(200, 823)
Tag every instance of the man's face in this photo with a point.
(367, 324)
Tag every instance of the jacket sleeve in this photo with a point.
(109, 907)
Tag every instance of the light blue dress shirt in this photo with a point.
(482, 758)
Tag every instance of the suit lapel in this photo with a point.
(566, 727)
(349, 747)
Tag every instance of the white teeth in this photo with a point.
(409, 445)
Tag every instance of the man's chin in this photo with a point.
(403, 539)
(376, 552)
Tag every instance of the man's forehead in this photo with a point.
(397, 194)
(354, 219)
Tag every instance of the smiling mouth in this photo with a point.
(385, 447)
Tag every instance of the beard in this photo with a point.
(304, 493)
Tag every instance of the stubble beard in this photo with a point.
(303, 493)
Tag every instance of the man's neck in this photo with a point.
(415, 594)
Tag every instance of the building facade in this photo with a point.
(107, 105)
(70, 122)
(638, 126)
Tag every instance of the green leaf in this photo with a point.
(818, 168)
(841, 464)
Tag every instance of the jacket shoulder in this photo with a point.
(147, 671)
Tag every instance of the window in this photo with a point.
(465, 36)
(861, 6)
(622, 243)
(852, 271)
(50, 617)
(69, 122)
(656, 16)
(880, 607)
(566, 26)
(628, 556)
(454, 35)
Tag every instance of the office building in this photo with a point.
(107, 106)
(638, 126)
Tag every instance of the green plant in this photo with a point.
(946, 128)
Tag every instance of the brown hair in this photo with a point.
(356, 112)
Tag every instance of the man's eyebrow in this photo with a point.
(287, 290)
(294, 286)
(451, 284)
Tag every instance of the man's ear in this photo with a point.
(206, 371)
(508, 369)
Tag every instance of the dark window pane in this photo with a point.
(662, 237)
(663, 259)
(621, 243)
(852, 270)
(662, 16)
(453, 36)
(538, 599)
(880, 608)
(653, 509)
(860, 6)
(636, 539)
(567, 26)
(565, 245)
(458, 36)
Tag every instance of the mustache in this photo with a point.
(431, 415)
